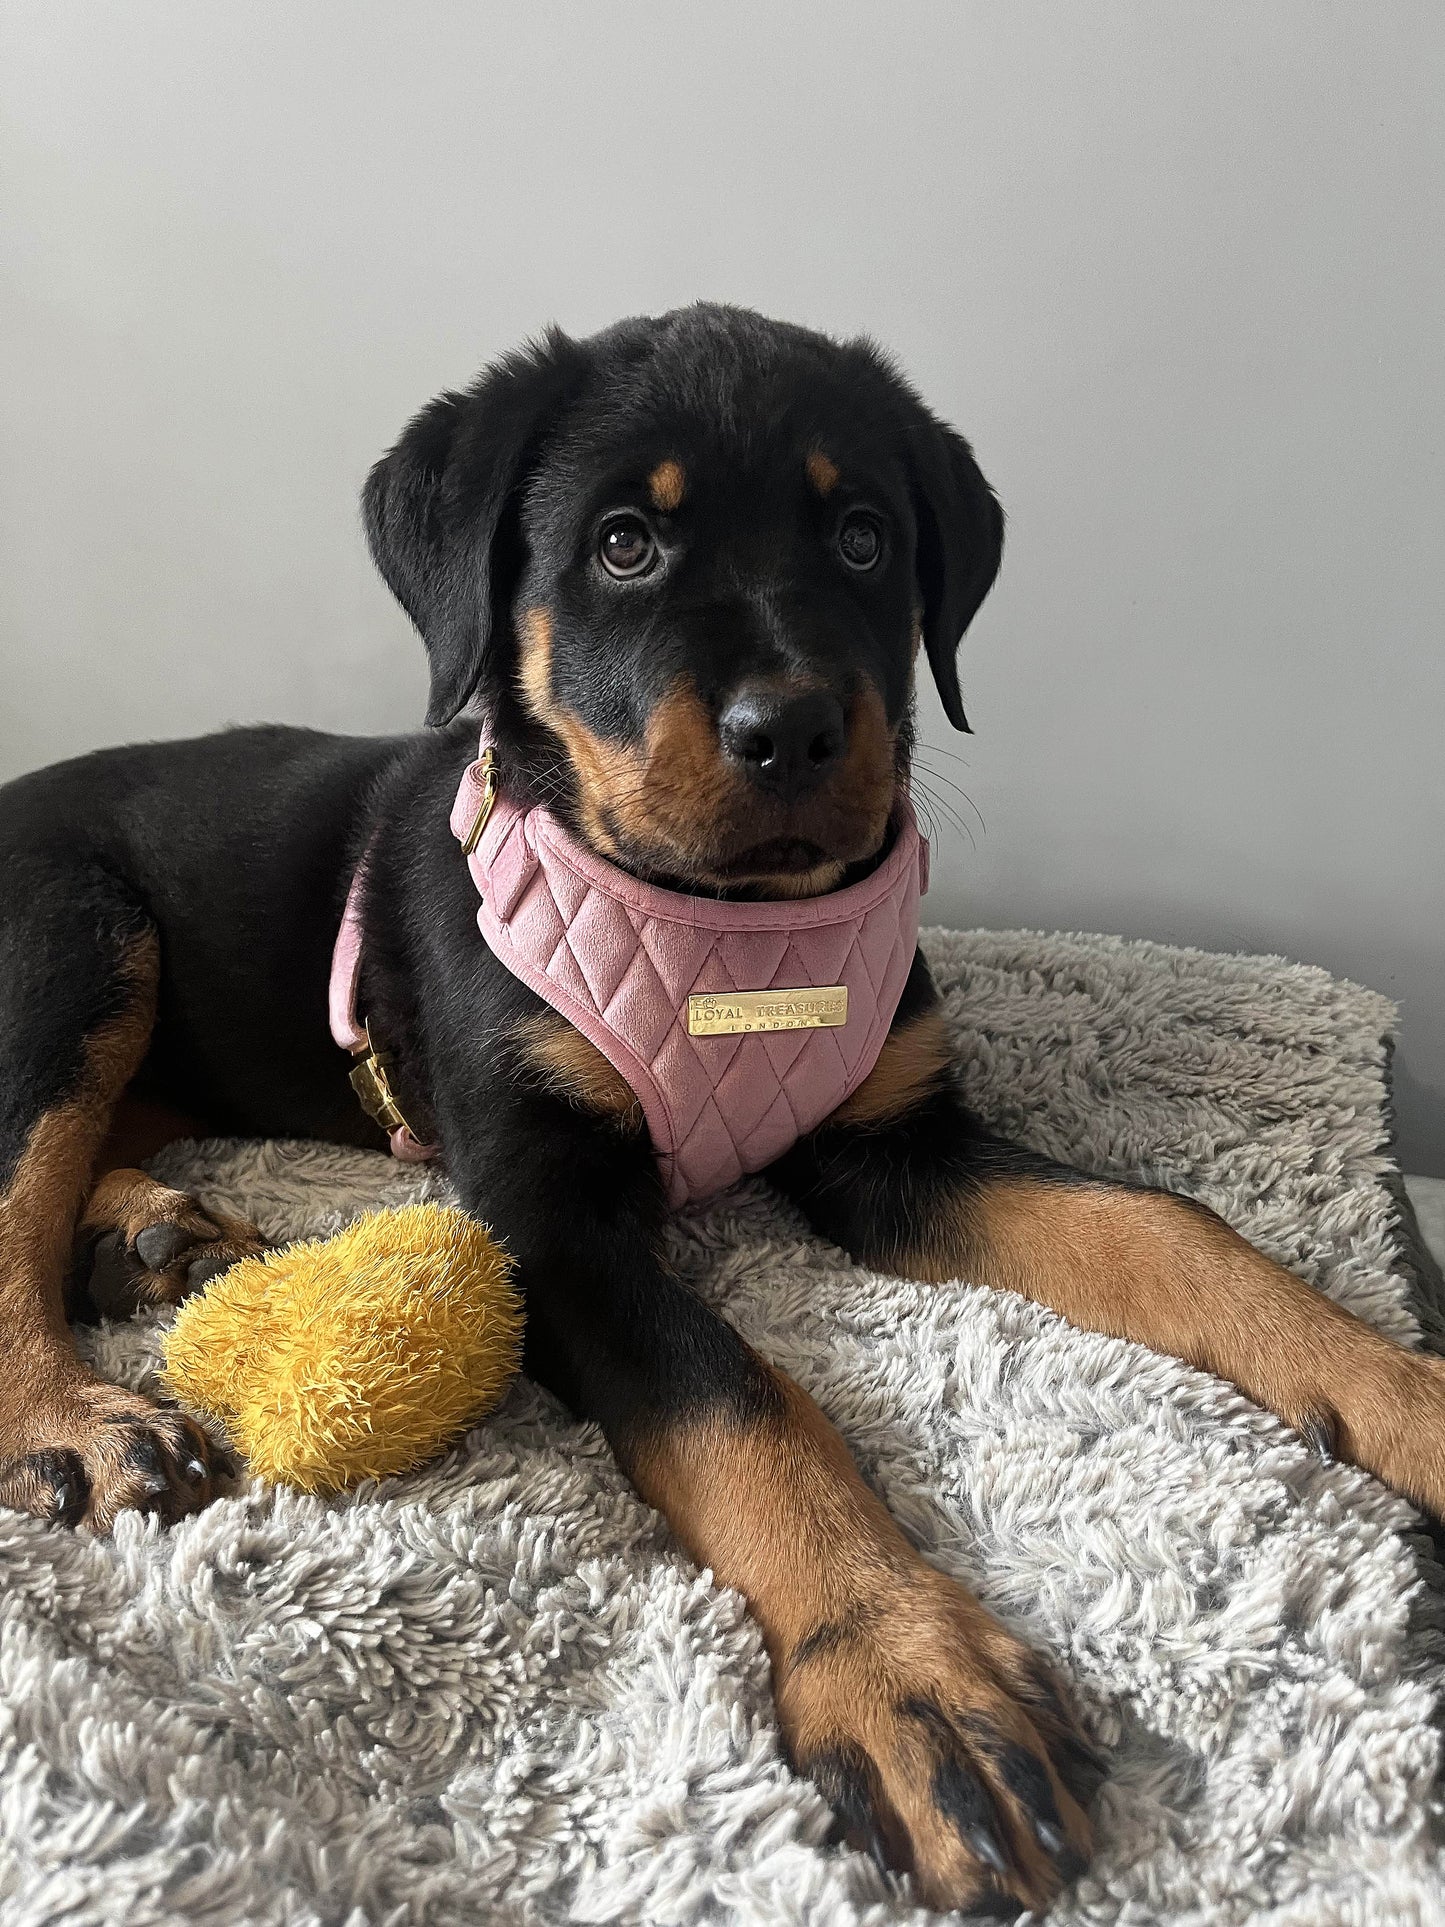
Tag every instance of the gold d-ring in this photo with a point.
(484, 809)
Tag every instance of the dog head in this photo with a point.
(687, 565)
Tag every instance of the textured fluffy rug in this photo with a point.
(495, 1692)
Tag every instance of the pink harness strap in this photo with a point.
(341, 1005)
(647, 974)
(346, 972)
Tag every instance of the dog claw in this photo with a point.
(984, 1842)
(159, 1245)
(1050, 1838)
(113, 1272)
(876, 1850)
(200, 1274)
(1319, 1435)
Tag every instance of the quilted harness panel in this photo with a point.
(619, 959)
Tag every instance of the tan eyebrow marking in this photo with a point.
(823, 472)
(667, 485)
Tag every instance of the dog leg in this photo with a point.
(939, 1737)
(907, 1180)
(72, 1447)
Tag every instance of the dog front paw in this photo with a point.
(1387, 1414)
(943, 1746)
(142, 1244)
(93, 1450)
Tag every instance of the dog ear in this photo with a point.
(960, 547)
(440, 509)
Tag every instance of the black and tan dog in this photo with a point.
(688, 565)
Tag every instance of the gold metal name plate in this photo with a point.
(726, 1013)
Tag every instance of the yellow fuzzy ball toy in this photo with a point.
(353, 1357)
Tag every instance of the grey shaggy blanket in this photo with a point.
(496, 1691)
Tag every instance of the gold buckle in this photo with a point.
(484, 809)
(373, 1088)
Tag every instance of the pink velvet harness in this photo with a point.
(665, 985)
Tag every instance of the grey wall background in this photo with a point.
(1176, 270)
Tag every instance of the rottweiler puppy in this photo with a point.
(687, 567)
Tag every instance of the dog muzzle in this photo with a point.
(739, 1026)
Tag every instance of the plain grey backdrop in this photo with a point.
(1177, 270)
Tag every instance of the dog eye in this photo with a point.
(627, 546)
(860, 541)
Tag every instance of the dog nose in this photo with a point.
(786, 742)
